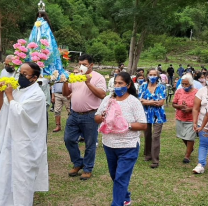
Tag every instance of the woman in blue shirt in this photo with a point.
(152, 96)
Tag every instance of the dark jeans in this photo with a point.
(81, 124)
(121, 162)
(170, 80)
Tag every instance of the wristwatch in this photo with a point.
(130, 127)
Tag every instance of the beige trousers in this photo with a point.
(61, 101)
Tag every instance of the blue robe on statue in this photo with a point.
(54, 61)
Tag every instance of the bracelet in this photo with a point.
(130, 127)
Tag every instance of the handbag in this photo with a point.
(114, 121)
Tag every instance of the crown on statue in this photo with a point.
(41, 6)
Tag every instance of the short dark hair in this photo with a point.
(139, 70)
(34, 67)
(86, 57)
(127, 78)
(140, 75)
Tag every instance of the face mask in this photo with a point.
(202, 80)
(83, 69)
(9, 69)
(23, 81)
(140, 81)
(187, 89)
(115, 75)
(152, 79)
(120, 91)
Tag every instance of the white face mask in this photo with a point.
(83, 69)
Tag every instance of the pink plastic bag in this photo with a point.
(114, 121)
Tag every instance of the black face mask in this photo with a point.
(23, 81)
(9, 69)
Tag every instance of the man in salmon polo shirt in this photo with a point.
(85, 100)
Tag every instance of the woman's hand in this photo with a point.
(199, 129)
(186, 109)
(195, 127)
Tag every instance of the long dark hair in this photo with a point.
(45, 16)
(127, 78)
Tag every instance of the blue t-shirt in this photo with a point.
(153, 114)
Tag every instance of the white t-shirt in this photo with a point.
(202, 94)
(132, 111)
(4, 73)
(111, 85)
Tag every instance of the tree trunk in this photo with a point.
(138, 52)
(133, 40)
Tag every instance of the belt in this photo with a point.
(82, 113)
(58, 92)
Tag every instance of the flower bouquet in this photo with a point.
(37, 53)
(64, 57)
(77, 78)
(8, 80)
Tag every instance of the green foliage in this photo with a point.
(158, 51)
(99, 51)
(70, 38)
(204, 55)
(120, 53)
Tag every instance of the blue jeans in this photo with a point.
(121, 162)
(203, 147)
(81, 124)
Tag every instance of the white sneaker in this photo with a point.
(127, 203)
(199, 169)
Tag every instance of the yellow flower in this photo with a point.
(38, 23)
(8, 80)
(77, 78)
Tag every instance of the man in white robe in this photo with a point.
(23, 149)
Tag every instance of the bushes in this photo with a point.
(120, 53)
(158, 51)
(103, 48)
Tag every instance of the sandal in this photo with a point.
(186, 161)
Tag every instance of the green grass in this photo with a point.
(171, 184)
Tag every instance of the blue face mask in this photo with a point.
(120, 91)
(152, 79)
(140, 81)
(115, 75)
(187, 89)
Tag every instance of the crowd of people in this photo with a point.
(120, 111)
(129, 105)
